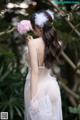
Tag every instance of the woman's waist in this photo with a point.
(42, 72)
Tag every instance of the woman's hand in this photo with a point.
(29, 38)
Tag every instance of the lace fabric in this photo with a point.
(41, 109)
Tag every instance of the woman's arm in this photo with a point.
(34, 66)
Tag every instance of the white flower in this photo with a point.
(10, 5)
(23, 5)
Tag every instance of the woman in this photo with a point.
(41, 93)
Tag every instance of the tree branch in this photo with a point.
(70, 24)
(7, 31)
(68, 90)
(73, 27)
(75, 68)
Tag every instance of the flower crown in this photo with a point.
(41, 18)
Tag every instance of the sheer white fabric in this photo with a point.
(48, 105)
(43, 109)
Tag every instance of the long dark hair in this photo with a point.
(52, 46)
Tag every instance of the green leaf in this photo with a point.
(11, 111)
(75, 110)
(18, 111)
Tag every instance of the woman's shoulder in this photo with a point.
(36, 43)
(39, 39)
(34, 40)
(39, 43)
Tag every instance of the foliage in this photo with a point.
(75, 110)
(11, 86)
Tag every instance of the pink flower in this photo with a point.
(24, 26)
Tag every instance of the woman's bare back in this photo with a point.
(40, 47)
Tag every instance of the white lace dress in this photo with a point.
(48, 105)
